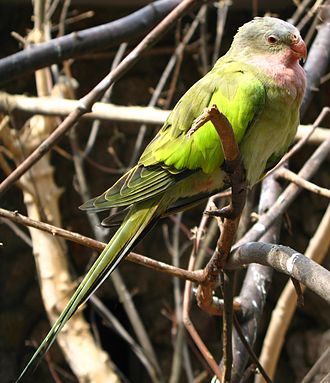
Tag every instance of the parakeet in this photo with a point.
(258, 85)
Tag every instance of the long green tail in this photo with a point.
(135, 224)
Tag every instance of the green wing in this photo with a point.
(238, 94)
(172, 156)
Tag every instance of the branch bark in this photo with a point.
(85, 41)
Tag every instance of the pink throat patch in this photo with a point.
(285, 70)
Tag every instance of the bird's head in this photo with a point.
(269, 35)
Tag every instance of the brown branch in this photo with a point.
(194, 276)
(96, 93)
(191, 328)
(293, 177)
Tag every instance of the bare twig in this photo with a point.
(203, 39)
(247, 346)
(293, 177)
(52, 106)
(299, 11)
(105, 99)
(87, 101)
(195, 276)
(222, 11)
(309, 14)
(191, 328)
(324, 359)
(236, 173)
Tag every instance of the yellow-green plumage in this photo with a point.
(259, 86)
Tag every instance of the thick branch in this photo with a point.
(318, 58)
(52, 106)
(85, 41)
(287, 261)
(255, 287)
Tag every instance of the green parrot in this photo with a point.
(258, 85)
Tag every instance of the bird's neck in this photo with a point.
(284, 70)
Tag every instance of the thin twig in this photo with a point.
(105, 99)
(252, 354)
(299, 11)
(324, 360)
(257, 281)
(222, 11)
(195, 276)
(191, 328)
(293, 177)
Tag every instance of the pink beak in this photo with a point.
(299, 48)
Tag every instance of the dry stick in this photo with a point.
(180, 343)
(317, 62)
(121, 289)
(222, 11)
(293, 177)
(203, 39)
(86, 103)
(105, 99)
(286, 304)
(299, 11)
(248, 347)
(194, 276)
(189, 325)
(112, 321)
(278, 257)
(324, 360)
(309, 14)
(52, 106)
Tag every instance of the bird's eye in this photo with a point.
(272, 39)
(295, 38)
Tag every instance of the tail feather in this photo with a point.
(136, 223)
